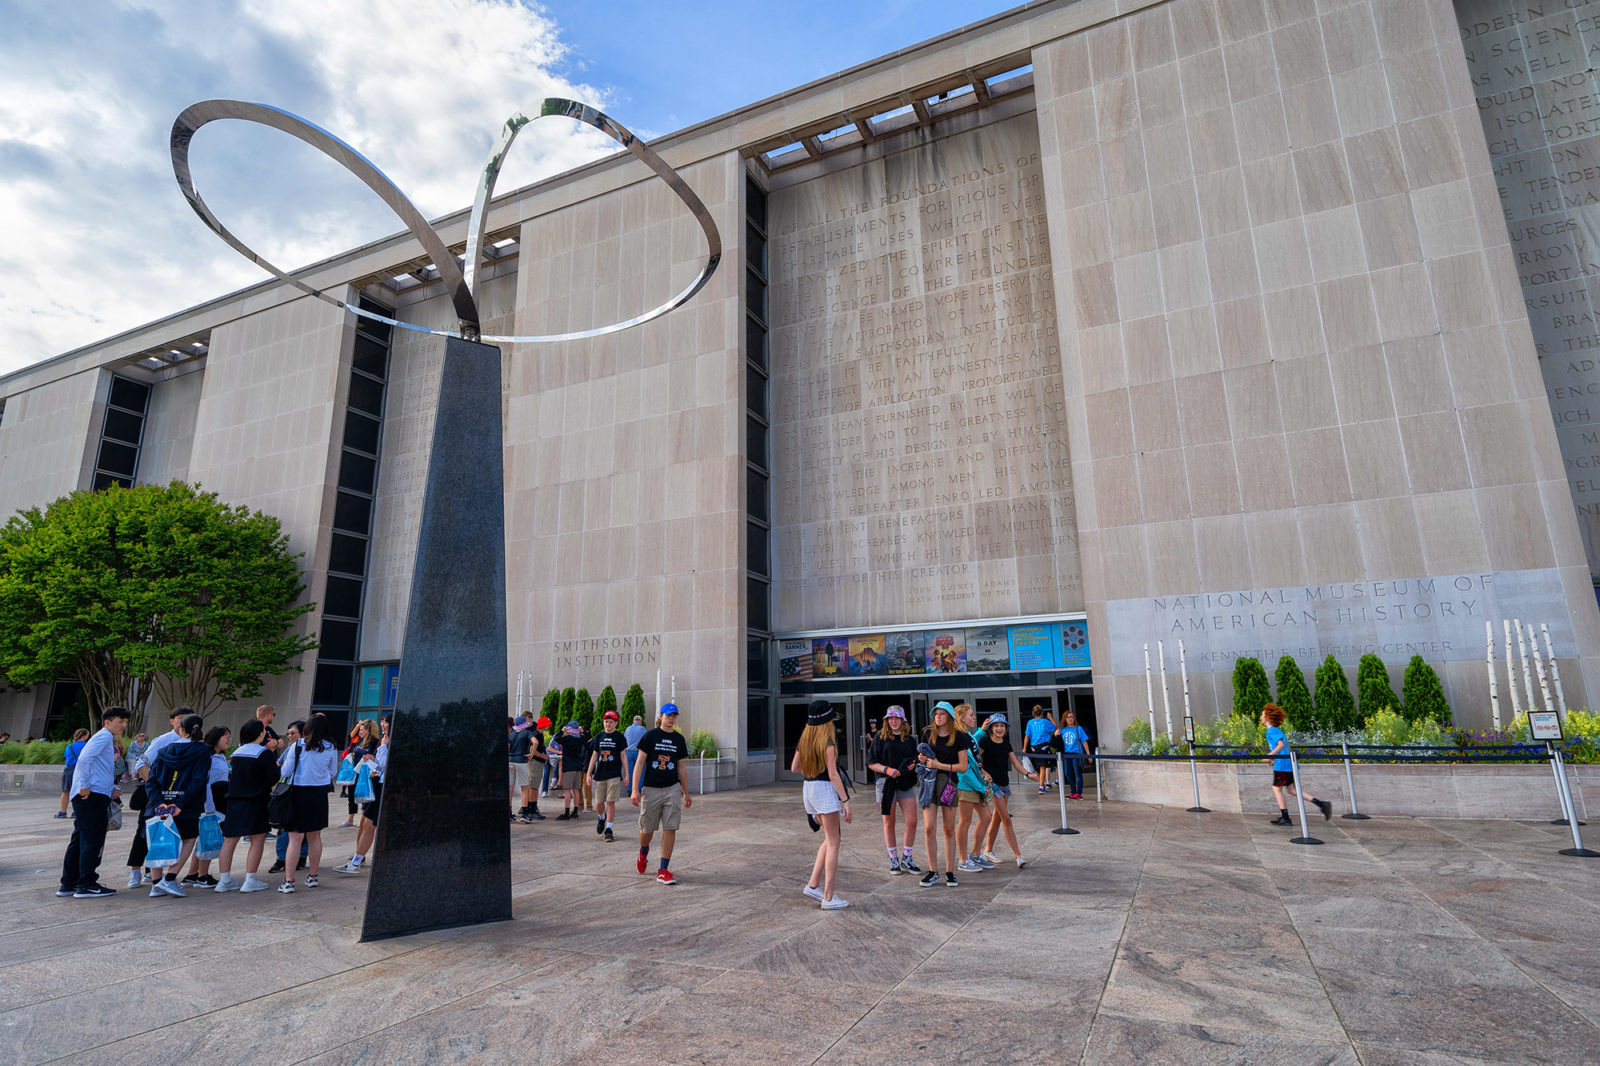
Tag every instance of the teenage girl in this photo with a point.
(1074, 743)
(1036, 737)
(817, 760)
(972, 792)
(893, 757)
(178, 785)
(218, 739)
(997, 758)
(945, 754)
(311, 766)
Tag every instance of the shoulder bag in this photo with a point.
(280, 804)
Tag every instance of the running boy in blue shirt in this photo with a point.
(1282, 769)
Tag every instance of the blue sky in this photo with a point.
(98, 240)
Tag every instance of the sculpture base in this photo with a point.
(443, 848)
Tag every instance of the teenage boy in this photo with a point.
(574, 753)
(1282, 769)
(605, 773)
(141, 769)
(661, 789)
(94, 788)
(520, 747)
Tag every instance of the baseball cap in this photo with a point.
(611, 715)
(668, 708)
(896, 712)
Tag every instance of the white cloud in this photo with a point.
(98, 238)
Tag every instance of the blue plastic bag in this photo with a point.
(363, 792)
(347, 771)
(164, 844)
(209, 846)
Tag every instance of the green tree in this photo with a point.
(632, 705)
(1250, 689)
(607, 701)
(1373, 689)
(551, 708)
(155, 589)
(569, 708)
(1336, 708)
(1423, 694)
(1293, 696)
(583, 709)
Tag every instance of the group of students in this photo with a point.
(187, 774)
(1043, 740)
(595, 770)
(958, 774)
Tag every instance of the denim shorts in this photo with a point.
(1003, 791)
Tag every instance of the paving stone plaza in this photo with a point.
(1154, 936)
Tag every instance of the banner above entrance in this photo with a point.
(982, 649)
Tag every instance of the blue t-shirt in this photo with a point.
(1039, 732)
(1074, 738)
(1274, 738)
(73, 751)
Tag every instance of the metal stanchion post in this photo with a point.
(1305, 836)
(1194, 774)
(1350, 784)
(1577, 848)
(1099, 797)
(1061, 794)
(1558, 768)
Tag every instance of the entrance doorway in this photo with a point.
(794, 724)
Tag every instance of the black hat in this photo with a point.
(820, 712)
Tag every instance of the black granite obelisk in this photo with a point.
(443, 850)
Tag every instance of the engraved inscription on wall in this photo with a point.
(1533, 65)
(919, 434)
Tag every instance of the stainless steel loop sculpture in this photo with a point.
(457, 282)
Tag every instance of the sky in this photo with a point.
(96, 239)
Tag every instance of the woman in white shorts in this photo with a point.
(817, 760)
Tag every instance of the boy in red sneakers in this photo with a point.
(660, 788)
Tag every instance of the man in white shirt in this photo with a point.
(94, 788)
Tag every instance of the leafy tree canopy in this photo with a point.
(155, 588)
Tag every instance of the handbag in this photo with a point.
(946, 795)
(136, 801)
(209, 846)
(163, 845)
(114, 815)
(280, 804)
(363, 790)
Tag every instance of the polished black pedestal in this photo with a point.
(443, 851)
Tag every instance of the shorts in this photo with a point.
(245, 818)
(66, 778)
(607, 789)
(519, 774)
(821, 798)
(660, 808)
(966, 795)
(369, 809)
(1280, 778)
(1003, 791)
(572, 779)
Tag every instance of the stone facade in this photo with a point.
(1198, 319)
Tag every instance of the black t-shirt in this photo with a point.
(609, 747)
(947, 751)
(521, 745)
(899, 755)
(536, 747)
(661, 752)
(574, 754)
(995, 758)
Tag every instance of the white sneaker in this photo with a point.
(286, 888)
(135, 878)
(353, 866)
(989, 858)
(170, 887)
(835, 904)
(814, 892)
(156, 893)
(252, 883)
(226, 883)
(969, 867)
(1021, 862)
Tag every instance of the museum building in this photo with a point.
(1215, 327)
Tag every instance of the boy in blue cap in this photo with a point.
(574, 754)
